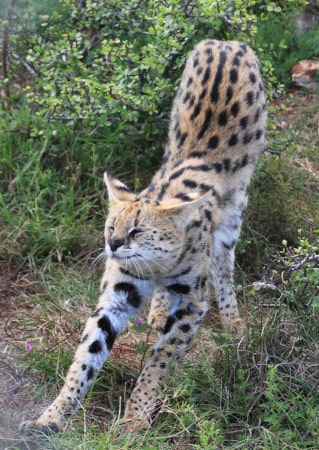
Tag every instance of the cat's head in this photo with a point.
(146, 236)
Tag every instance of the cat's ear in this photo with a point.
(116, 190)
(181, 212)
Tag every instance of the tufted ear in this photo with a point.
(182, 212)
(116, 190)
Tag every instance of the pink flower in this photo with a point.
(138, 321)
(29, 345)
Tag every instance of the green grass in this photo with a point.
(258, 392)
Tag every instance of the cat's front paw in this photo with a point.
(157, 320)
(159, 310)
(30, 427)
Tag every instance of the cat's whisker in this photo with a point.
(149, 267)
(154, 262)
(102, 256)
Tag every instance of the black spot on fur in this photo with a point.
(226, 164)
(196, 111)
(206, 76)
(259, 134)
(236, 61)
(177, 173)
(203, 94)
(179, 288)
(222, 118)
(233, 140)
(189, 81)
(182, 196)
(205, 187)
(201, 168)
(180, 313)
(133, 297)
(190, 184)
(235, 109)
(240, 163)
(243, 46)
(199, 71)
(243, 122)
(191, 102)
(256, 118)
(185, 327)
(194, 224)
(208, 215)
(187, 97)
(196, 154)
(229, 94)
(247, 138)
(218, 78)
(233, 76)
(203, 282)
(110, 334)
(208, 117)
(95, 347)
(250, 98)
(213, 142)
(182, 139)
(252, 78)
(169, 323)
(90, 373)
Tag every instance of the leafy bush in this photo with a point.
(288, 46)
(98, 79)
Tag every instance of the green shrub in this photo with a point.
(287, 45)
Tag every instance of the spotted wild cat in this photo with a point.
(177, 237)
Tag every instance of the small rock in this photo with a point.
(304, 73)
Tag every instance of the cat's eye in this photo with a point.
(133, 232)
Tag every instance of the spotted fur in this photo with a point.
(178, 236)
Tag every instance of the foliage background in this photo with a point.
(88, 85)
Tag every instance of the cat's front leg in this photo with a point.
(181, 325)
(119, 300)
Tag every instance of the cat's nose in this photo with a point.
(115, 243)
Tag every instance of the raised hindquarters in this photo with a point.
(220, 108)
(217, 123)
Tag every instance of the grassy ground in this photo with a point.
(259, 392)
